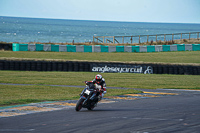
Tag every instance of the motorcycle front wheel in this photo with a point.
(90, 108)
(79, 104)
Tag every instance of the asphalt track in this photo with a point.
(165, 114)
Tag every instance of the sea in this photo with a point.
(18, 29)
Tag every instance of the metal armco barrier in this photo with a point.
(101, 67)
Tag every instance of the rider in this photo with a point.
(100, 84)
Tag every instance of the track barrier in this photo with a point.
(101, 48)
(32, 65)
(101, 67)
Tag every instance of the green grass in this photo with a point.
(157, 57)
(129, 80)
(38, 92)
(13, 94)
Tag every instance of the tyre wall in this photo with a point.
(6, 46)
(30, 65)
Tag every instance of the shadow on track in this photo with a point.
(106, 110)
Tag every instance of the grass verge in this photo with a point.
(128, 80)
(13, 94)
(36, 93)
(183, 57)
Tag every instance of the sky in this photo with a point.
(165, 11)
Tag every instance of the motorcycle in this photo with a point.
(88, 97)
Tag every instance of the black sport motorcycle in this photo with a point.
(88, 97)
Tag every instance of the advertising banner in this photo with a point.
(111, 68)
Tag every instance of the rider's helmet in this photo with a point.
(98, 78)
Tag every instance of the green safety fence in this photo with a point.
(15, 47)
(104, 48)
(150, 48)
(55, 48)
(135, 48)
(181, 47)
(119, 48)
(87, 48)
(39, 47)
(71, 48)
(23, 47)
(20, 47)
(196, 47)
(166, 48)
(100, 48)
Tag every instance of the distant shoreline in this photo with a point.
(95, 20)
(61, 31)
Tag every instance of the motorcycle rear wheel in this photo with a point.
(79, 104)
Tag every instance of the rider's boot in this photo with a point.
(99, 98)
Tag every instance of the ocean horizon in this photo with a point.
(44, 30)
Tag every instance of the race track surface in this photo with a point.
(178, 113)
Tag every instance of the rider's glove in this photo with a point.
(101, 90)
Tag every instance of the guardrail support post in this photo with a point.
(164, 37)
(189, 35)
(181, 36)
(156, 38)
(139, 38)
(131, 39)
